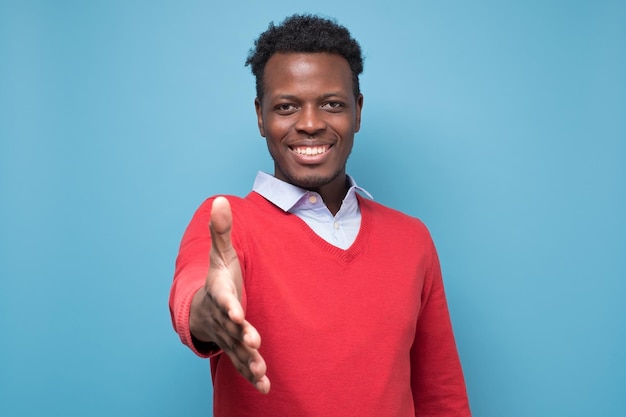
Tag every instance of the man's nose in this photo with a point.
(311, 120)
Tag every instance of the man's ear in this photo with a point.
(359, 107)
(259, 116)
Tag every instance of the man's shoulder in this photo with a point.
(391, 216)
(379, 209)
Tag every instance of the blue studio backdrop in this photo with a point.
(502, 125)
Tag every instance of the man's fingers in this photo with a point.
(241, 344)
(263, 385)
(248, 362)
(242, 332)
(251, 336)
(226, 313)
(226, 301)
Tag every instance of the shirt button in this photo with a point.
(312, 199)
(336, 226)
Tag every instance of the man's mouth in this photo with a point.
(310, 150)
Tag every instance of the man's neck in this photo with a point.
(333, 193)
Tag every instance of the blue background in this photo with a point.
(501, 124)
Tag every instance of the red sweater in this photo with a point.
(357, 332)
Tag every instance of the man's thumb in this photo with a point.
(221, 222)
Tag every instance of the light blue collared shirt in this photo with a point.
(340, 230)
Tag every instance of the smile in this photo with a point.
(311, 150)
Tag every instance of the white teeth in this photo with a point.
(310, 150)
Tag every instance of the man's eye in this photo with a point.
(285, 108)
(333, 105)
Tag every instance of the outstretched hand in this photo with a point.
(216, 311)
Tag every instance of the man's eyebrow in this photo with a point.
(285, 97)
(320, 97)
(330, 95)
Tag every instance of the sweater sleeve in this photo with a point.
(436, 376)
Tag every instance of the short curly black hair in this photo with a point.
(305, 33)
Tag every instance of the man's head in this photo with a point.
(305, 33)
(309, 105)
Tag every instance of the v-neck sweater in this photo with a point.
(363, 331)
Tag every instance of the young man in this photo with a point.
(346, 294)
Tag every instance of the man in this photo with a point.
(345, 293)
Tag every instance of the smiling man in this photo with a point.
(345, 293)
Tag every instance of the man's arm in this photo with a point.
(216, 315)
(436, 375)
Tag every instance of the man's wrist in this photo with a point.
(204, 347)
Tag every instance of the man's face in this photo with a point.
(309, 116)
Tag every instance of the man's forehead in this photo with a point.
(285, 71)
(305, 56)
(306, 64)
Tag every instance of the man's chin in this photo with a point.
(312, 181)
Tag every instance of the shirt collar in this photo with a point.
(286, 196)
